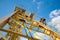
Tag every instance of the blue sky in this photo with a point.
(45, 7)
(41, 8)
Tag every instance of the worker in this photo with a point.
(31, 15)
(43, 20)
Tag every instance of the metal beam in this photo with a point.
(41, 24)
(17, 34)
(4, 20)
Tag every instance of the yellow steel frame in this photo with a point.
(15, 26)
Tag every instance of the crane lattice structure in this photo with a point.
(18, 20)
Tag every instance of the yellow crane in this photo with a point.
(19, 20)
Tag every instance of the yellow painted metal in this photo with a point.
(18, 20)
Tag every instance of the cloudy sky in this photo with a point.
(49, 9)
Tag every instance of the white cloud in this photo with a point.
(38, 7)
(42, 36)
(54, 13)
(39, 4)
(55, 19)
(34, 0)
